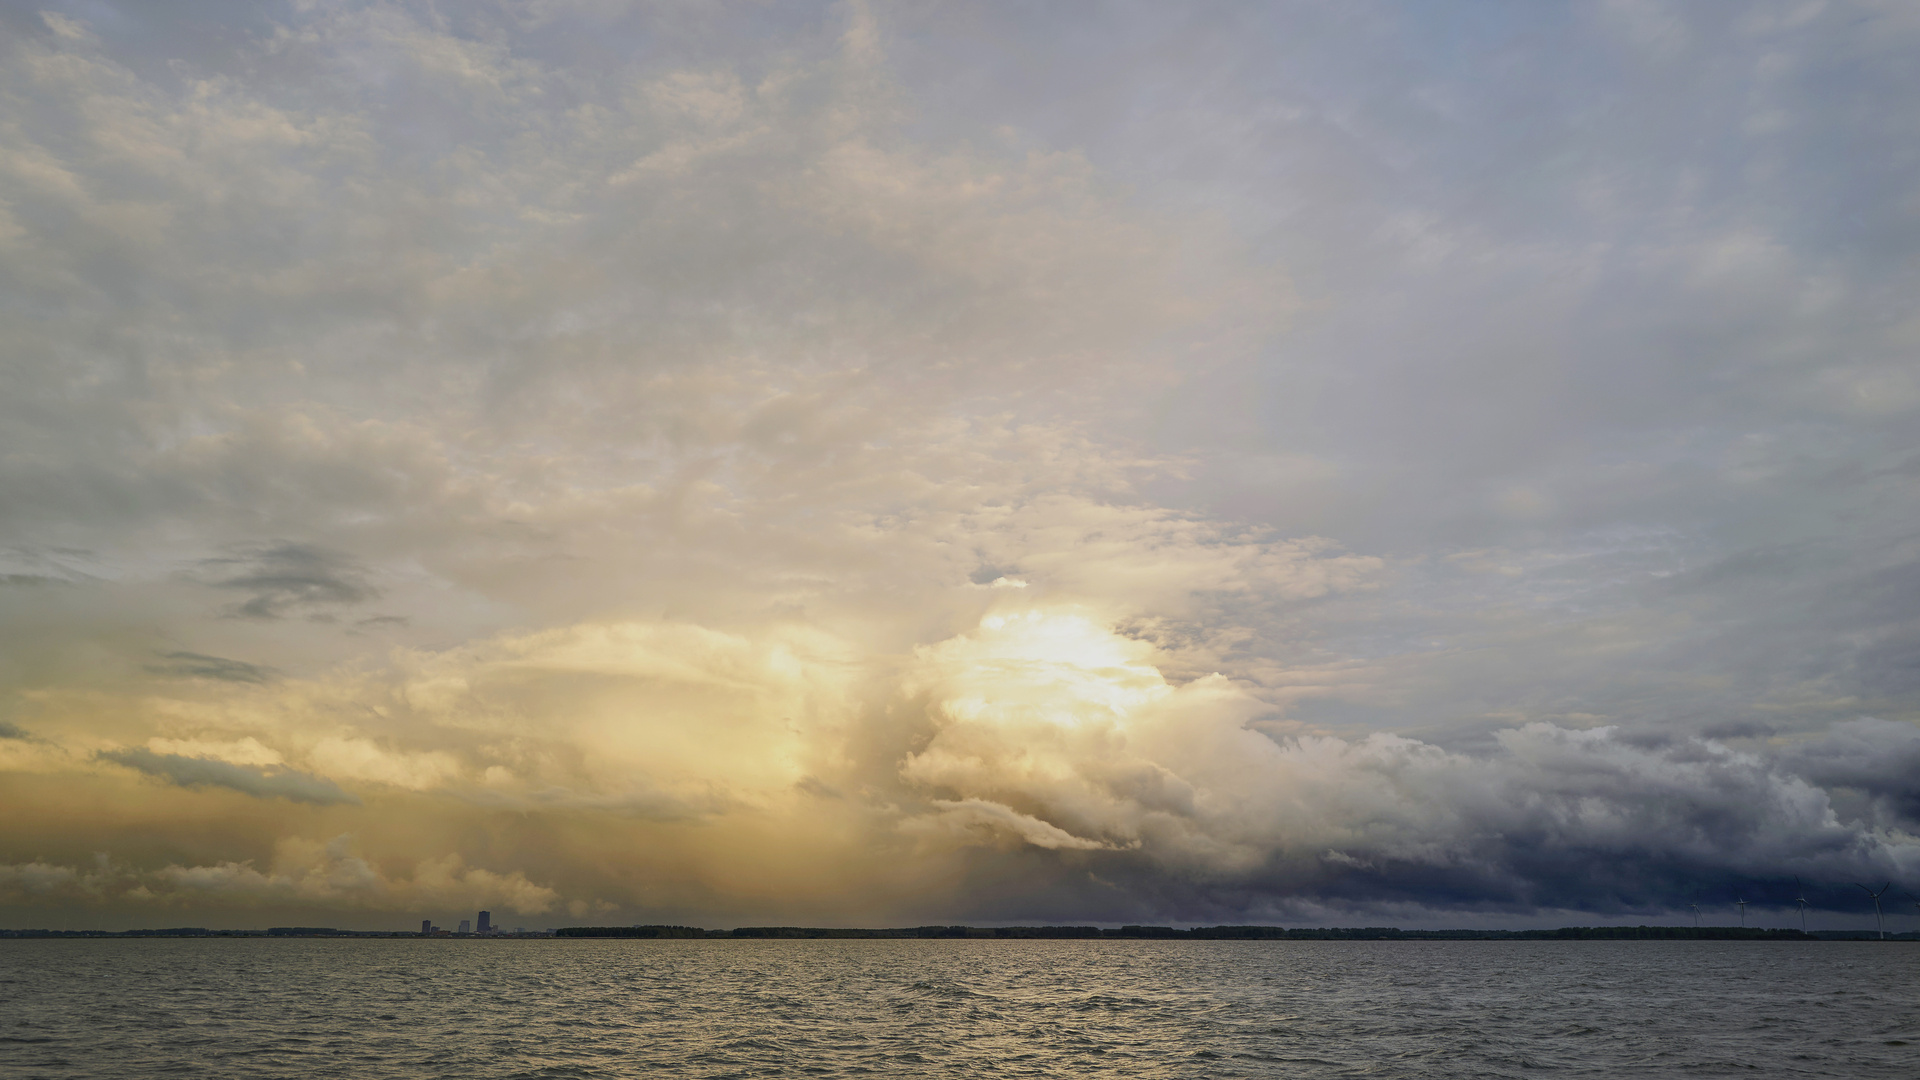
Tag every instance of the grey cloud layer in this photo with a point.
(285, 578)
(266, 783)
(201, 666)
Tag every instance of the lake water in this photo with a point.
(620, 1008)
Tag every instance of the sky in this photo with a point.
(889, 463)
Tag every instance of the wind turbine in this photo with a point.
(1802, 901)
(1742, 905)
(1696, 915)
(1876, 906)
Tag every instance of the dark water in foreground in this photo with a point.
(319, 1008)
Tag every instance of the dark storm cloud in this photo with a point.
(1645, 834)
(1879, 758)
(11, 731)
(287, 578)
(1559, 820)
(260, 782)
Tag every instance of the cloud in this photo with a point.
(32, 566)
(301, 871)
(1056, 732)
(957, 819)
(827, 458)
(1048, 738)
(37, 879)
(260, 782)
(242, 751)
(366, 761)
(1877, 758)
(287, 578)
(200, 666)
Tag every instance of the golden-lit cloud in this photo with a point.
(301, 872)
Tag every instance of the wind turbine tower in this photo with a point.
(1802, 901)
(1742, 905)
(1696, 915)
(1878, 928)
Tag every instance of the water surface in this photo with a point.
(624, 1008)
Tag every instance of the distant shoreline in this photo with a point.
(1025, 933)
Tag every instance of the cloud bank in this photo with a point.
(328, 876)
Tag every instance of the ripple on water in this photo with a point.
(613, 1009)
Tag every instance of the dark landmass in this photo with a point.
(1052, 933)
(1240, 933)
(275, 932)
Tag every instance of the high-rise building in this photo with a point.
(486, 921)
(426, 926)
(466, 926)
